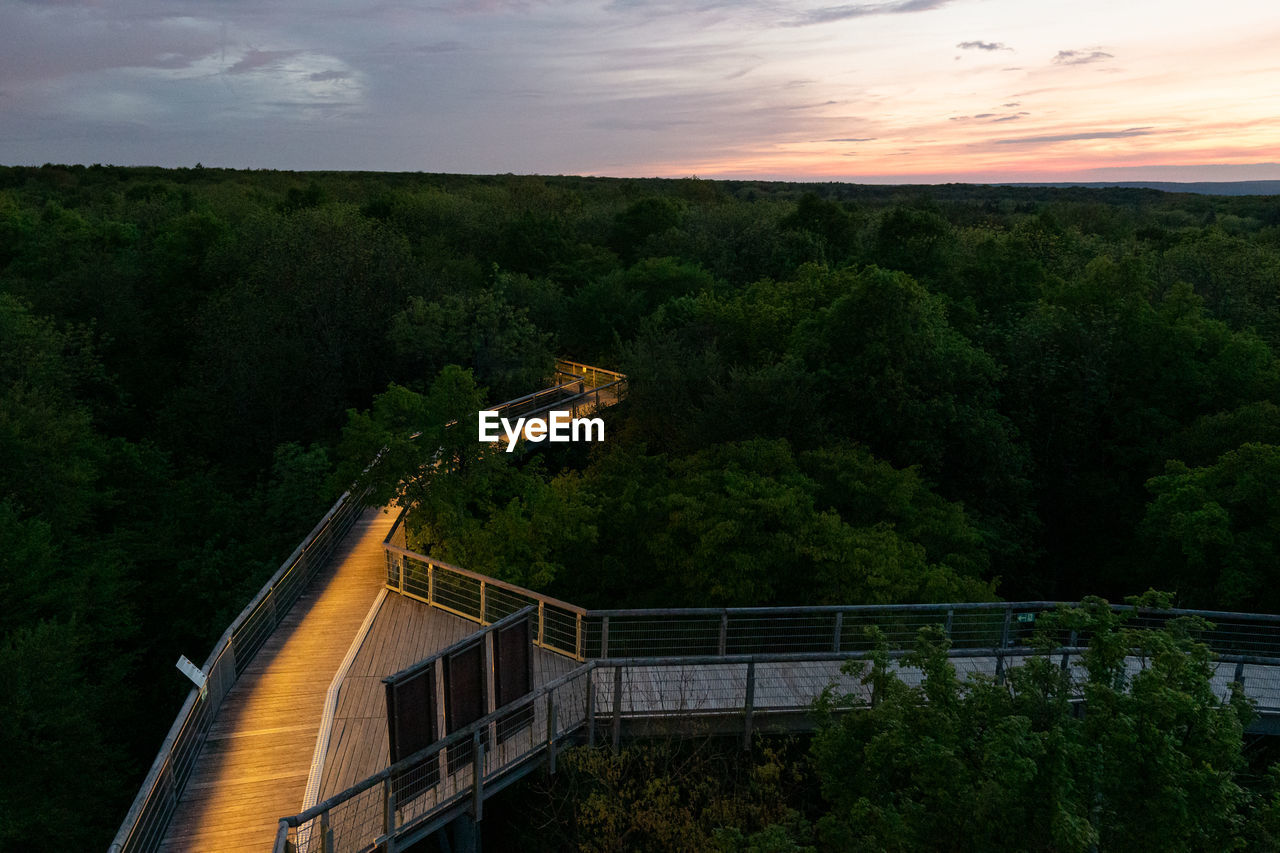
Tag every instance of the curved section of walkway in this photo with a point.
(253, 768)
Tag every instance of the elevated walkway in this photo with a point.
(731, 671)
(290, 687)
(257, 754)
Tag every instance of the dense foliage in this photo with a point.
(837, 393)
(924, 759)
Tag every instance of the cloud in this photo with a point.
(831, 14)
(322, 76)
(854, 139)
(983, 45)
(256, 59)
(1081, 57)
(1075, 137)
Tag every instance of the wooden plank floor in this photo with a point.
(253, 768)
(404, 632)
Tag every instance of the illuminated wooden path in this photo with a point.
(289, 703)
(254, 764)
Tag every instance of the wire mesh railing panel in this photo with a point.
(1242, 637)
(457, 592)
(155, 822)
(393, 568)
(560, 629)
(186, 747)
(253, 632)
(421, 789)
(417, 578)
(784, 634)
(355, 822)
(898, 628)
(501, 602)
(570, 700)
(662, 636)
(794, 686)
(663, 690)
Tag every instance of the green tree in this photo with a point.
(1152, 763)
(1214, 531)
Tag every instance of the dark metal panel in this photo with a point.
(513, 663)
(411, 726)
(464, 684)
(464, 697)
(513, 675)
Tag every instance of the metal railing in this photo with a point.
(419, 795)
(558, 625)
(594, 376)
(148, 818)
(733, 664)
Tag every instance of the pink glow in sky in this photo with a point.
(918, 90)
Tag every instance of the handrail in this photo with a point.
(558, 625)
(918, 608)
(148, 816)
(488, 580)
(587, 369)
(572, 702)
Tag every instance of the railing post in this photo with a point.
(1004, 644)
(388, 811)
(617, 708)
(482, 603)
(724, 632)
(442, 756)
(591, 707)
(951, 613)
(581, 648)
(431, 584)
(1239, 679)
(326, 834)
(835, 639)
(1071, 644)
(604, 636)
(541, 623)
(281, 846)
(400, 566)
(750, 705)
(477, 776)
(551, 735)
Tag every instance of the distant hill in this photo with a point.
(1200, 187)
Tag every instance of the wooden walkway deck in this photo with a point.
(253, 768)
(404, 632)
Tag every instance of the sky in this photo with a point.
(925, 91)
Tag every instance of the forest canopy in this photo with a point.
(837, 394)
